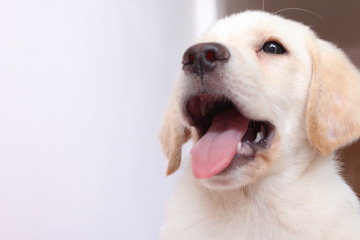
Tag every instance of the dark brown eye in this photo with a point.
(273, 48)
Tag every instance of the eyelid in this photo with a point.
(275, 42)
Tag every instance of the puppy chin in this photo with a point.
(231, 179)
(226, 182)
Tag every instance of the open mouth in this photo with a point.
(226, 135)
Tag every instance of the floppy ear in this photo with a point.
(173, 134)
(333, 111)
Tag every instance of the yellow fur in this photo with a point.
(333, 116)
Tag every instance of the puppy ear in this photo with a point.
(333, 115)
(173, 134)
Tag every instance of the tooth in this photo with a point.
(238, 147)
(259, 137)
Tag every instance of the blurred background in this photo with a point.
(83, 85)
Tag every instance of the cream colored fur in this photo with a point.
(293, 189)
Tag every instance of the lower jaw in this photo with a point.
(227, 181)
(237, 162)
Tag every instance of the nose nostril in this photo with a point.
(190, 59)
(210, 56)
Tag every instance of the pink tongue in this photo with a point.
(216, 149)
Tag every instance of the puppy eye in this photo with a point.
(273, 48)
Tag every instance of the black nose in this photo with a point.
(204, 57)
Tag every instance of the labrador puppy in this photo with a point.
(266, 103)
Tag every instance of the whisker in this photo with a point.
(298, 9)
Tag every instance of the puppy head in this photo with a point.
(260, 94)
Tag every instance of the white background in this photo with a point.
(83, 85)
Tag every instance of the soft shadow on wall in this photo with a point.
(83, 85)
